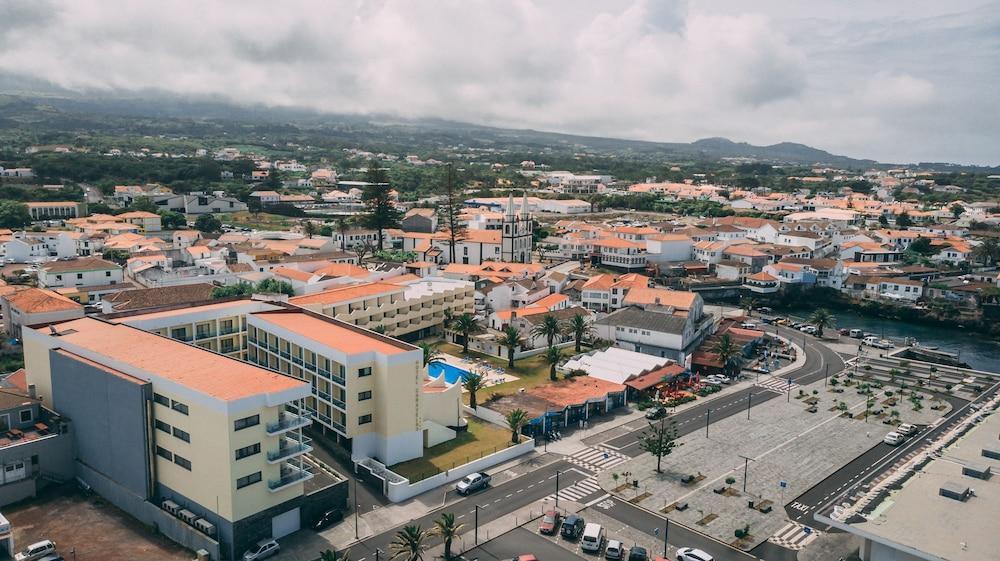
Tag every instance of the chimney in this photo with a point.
(31, 391)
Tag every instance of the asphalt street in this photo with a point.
(494, 502)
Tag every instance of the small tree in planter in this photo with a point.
(730, 480)
(743, 532)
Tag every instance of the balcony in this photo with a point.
(338, 379)
(321, 394)
(230, 331)
(182, 337)
(205, 334)
(296, 360)
(286, 422)
(290, 475)
(285, 355)
(289, 447)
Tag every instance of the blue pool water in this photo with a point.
(451, 373)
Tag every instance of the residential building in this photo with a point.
(420, 220)
(86, 271)
(410, 309)
(60, 210)
(172, 433)
(146, 221)
(35, 306)
(35, 446)
(659, 331)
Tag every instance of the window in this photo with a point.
(179, 407)
(79, 275)
(364, 419)
(162, 400)
(182, 462)
(183, 435)
(247, 451)
(246, 422)
(26, 415)
(107, 273)
(366, 371)
(164, 453)
(160, 425)
(248, 480)
(363, 396)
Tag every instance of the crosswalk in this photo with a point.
(777, 385)
(794, 536)
(578, 491)
(596, 458)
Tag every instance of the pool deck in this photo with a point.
(492, 375)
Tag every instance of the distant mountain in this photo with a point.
(155, 113)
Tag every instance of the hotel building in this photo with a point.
(207, 448)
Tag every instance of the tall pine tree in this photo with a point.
(380, 212)
(450, 211)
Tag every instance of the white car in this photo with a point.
(614, 550)
(893, 439)
(36, 551)
(261, 550)
(906, 429)
(692, 554)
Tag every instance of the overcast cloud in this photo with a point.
(898, 81)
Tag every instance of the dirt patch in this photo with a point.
(704, 521)
(638, 499)
(92, 527)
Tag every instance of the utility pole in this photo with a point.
(666, 530)
(476, 524)
(357, 507)
(557, 489)
(746, 468)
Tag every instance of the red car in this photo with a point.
(550, 522)
(526, 557)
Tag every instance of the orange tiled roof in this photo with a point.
(332, 333)
(40, 300)
(346, 293)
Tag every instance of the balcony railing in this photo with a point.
(185, 338)
(338, 379)
(205, 334)
(229, 331)
(320, 393)
(290, 475)
(289, 447)
(287, 422)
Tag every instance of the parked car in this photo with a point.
(327, 518)
(36, 551)
(692, 554)
(572, 526)
(870, 340)
(856, 333)
(906, 429)
(748, 325)
(549, 522)
(525, 557)
(765, 310)
(593, 537)
(614, 550)
(893, 439)
(654, 413)
(472, 483)
(638, 553)
(808, 329)
(261, 550)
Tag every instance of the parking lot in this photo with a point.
(89, 527)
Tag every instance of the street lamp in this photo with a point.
(749, 398)
(666, 530)
(557, 489)
(746, 468)
(476, 523)
(357, 507)
(708, 416)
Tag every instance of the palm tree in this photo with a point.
(431, 355)
(552, 357)
(465, 325)
(409, 544)
(512, 340)
(748, 303)
(580, 328)
(821, 318)
(472, 383)
(728, 351)
(330, 555)
(516, 420)
(549, 328)
(446, 528)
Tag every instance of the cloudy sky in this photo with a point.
(898, 81)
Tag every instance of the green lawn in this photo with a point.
(260, 221)
(480, 440)
(531, 372)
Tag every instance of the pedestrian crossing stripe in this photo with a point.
(578, 491)
(597, 459)
(776, 385)
(794, 536)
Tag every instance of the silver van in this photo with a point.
(593, 538)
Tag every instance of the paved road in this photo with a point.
(494, 503)
(520, 542)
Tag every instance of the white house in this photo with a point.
(87, 271)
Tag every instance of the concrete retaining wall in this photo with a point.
(400, 491)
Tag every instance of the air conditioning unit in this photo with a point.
(187, 516)
(979, 471)
(205, 526)
(954, 490)
(171, 507)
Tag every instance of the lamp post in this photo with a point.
(666, 530)
(357, 507)
(476, 523)
(746, 468)
(749, 398)
(708, 416)
(557, 489)
(789, 392)
(826, 373)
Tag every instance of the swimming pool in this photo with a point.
(451, 373)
